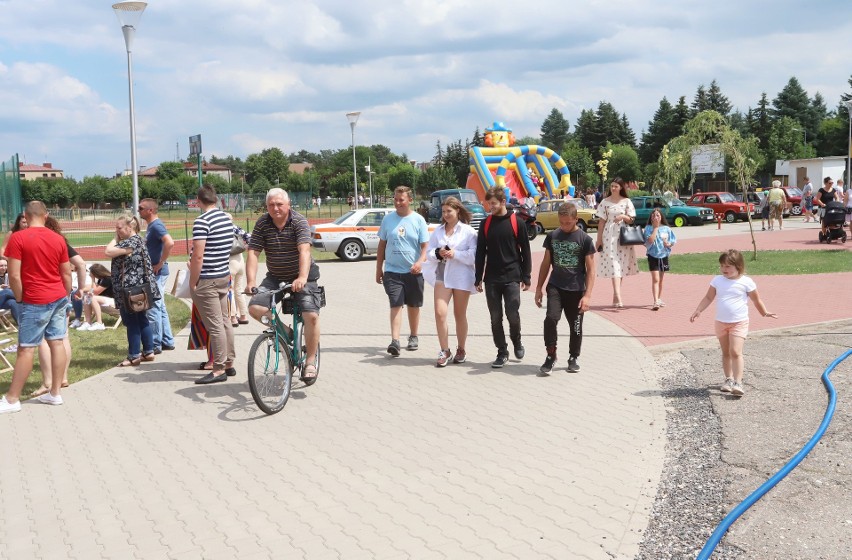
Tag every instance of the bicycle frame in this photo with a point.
(291, 335)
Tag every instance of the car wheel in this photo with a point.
(796, 210)
(730, 217)
(351, 250)
(582, 225)
(679, 221)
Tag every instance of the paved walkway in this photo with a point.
(382, 458)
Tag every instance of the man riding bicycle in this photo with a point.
(286, 237)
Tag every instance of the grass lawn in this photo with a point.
(95, 352)
(768, 262)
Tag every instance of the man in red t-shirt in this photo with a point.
(40, 278)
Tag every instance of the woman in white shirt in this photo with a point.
(449, 268)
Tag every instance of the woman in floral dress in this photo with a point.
(615, 261)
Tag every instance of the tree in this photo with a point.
(59, 192)
(624, 163)
(792, 101)
(580, 164)
(170, 190)
(554, 130)
(119, 191)
(699, 102)
(716, 101)
(786, 142)
(434, 178)
(261, 185)
(457, 161)
(709, 127)
(170, 170)
(92, 189)
(657, 135)
(584, 131)
(270, 163)
(402, 175)
(477, 139)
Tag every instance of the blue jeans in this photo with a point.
(158, 316)
(7, 301)
(138, 333)
(77, 304)
(42, 321)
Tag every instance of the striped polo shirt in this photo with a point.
(281, 245)
(217, 230)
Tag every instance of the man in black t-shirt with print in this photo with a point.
(571, 254)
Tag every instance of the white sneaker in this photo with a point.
(737, 390)
(75, 323)
(6, 406)
(97, 327)
(47, 398)
(84, 327)
(727, 385)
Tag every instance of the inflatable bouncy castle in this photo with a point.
(524, 171)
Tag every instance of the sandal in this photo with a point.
(310, 371)
(126, 362)
(148, 357)
(208, 366)
(40, 391)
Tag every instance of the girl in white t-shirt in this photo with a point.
(733, 289)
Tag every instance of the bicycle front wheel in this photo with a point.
(270, 373)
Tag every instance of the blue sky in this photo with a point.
(253, 74)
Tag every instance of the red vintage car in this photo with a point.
(794, 199)
(723, 203)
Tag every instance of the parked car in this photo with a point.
(676, 212)
(722, 203)
(794, 199)
(756, 198)
(431, 211)
(352, 235)
(547, 217)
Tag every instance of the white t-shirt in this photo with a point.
(732, 298)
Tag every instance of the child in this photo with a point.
(571, 253)
(659, 240)
(734, 289)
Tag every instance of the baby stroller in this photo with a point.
(835, 216)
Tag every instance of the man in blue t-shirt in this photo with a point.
(403, 238)
(159, 244)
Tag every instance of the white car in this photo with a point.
(352, 235)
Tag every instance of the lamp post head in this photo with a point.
(848, 104)
(353, 118)
(129, 14)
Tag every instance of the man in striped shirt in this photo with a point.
(209, 277)
(286, 237)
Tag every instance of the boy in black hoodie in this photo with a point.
(503, 244)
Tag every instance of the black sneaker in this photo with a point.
(393, 348)
(500, 361)
(547, 366)
(519, 351)
(573, 366)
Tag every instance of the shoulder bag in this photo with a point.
(137, 299)
(630, 235)
(238, 246)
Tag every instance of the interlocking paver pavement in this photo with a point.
(382, 458)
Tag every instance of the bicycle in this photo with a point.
(275, 355)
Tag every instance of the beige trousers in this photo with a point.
(211, 299)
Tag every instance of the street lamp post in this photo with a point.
(129, 14)
(848, 104)
(369, 170)
(353, 120)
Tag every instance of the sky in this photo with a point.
(254, 74)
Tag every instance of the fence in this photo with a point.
(10, 193)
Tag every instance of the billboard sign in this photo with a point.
(707, 159)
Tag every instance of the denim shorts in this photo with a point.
(42, 321)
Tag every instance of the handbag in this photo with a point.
(631, 235)
(139, 298)
(238, 246)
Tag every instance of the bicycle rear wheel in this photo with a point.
(270, 373)
(308, 381)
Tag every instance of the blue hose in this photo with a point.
(729, 519)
